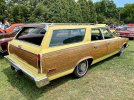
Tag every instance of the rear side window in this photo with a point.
(67, 36)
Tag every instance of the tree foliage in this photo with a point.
(65, 11)
(128, 13)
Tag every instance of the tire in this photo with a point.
(81, 69)
(122, 51)
(12, 67)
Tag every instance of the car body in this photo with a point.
(48, 51)
(4, 39)
(1, 31)
(127, 31)
(130, 25)
(13, 28)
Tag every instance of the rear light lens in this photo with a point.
(38, 63)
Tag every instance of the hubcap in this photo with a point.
(82, 68)
(122, 50)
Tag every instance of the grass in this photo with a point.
(110, 79)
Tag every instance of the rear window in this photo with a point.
(32, 35)
(67, 36)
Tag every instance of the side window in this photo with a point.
(107, 34)
(96, 35)
(67, 36)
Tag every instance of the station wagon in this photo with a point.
(48, 51)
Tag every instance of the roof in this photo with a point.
(39, 25)
(46, 25)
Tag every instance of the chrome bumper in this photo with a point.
(40, 82)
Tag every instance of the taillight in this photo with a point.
(39, 63)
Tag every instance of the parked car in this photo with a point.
(48, 51)
(4, 39)
(127, 31)
(2, 31)
(13, 28)
(2, 28)
(130, 25)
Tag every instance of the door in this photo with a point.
(98, 44)
(112, 42)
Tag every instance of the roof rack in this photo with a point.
(72, 23)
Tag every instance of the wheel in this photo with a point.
(122, 51)
(81, 69)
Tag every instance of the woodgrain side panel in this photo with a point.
(65, 59)
(113, 45)
(24, 55)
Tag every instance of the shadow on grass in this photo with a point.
(28, 88)
(103, 61)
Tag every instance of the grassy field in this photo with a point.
(110, 79)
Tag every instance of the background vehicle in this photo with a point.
(13, 28)
(2, 28)
(4, 39)
(127, 31)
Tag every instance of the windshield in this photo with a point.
(2, 26)
(127, 28)
(32, 35)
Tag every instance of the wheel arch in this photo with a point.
(89, 59)
(125, 44)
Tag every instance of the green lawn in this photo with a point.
(110, 79)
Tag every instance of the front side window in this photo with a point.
(96, 34)
(32, 35)
(107, 34)
(67, 36)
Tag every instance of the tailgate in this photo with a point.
(24, 55)
(26, 52)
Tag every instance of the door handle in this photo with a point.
(108, 43)
(95, 47)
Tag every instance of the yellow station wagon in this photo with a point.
(49, 51)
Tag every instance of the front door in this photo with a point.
(112, 42)
(98, 44)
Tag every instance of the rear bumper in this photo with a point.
(40, 81)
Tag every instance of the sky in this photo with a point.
(119, 3)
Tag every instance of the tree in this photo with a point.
(85, 10)
(2, 9)
(73, 12)
(93, 14)
(40, 13)
(20, 13)
(127, 13)
(107, 9)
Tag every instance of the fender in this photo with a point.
(85, 58)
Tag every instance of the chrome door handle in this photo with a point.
(108, 43)
(95, 47)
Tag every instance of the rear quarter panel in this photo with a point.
(123, 41)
